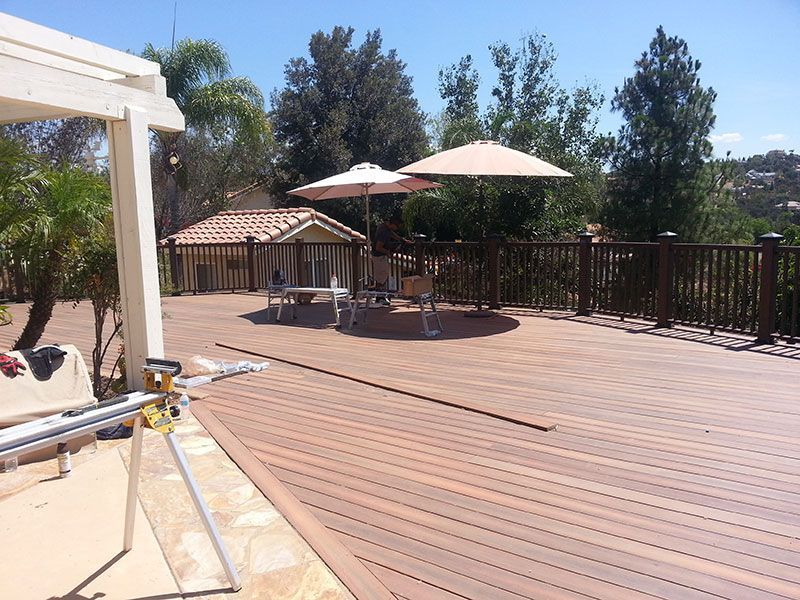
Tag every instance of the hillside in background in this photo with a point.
(767, 187)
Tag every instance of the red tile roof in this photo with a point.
(266, 225)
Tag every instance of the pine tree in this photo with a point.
(661, 178)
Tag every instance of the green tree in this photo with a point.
(458, 87)
(22, 176)
(530, 112)
(218, 164)
(198, 79)
(59, 141)
(92, 274)
(661, 178)
(341, 106)
(44, 228)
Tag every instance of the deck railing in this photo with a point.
(754, 290)
(539, 275)
(624, 279)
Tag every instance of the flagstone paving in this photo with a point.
(272, 558)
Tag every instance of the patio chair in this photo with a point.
(275, 288)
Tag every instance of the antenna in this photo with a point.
(174, 20)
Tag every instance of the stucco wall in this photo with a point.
(253, 200)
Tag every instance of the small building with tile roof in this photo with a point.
(266, 225)
(212, 254)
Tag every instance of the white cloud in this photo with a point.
(774, 137)
(726, 138)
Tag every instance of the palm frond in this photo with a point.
(235, 103)
(189, 65)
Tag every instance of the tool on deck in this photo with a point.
(143, 409)
(160, 374)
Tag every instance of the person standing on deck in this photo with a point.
(384, 244)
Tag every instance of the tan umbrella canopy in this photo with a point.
(485, 158)
(364, 179)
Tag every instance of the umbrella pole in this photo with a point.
(479, 312)
(369, 237)
(366, 210)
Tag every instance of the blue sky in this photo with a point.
(749, 50)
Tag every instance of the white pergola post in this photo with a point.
(47, 74)
(129, 165)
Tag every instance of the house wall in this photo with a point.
(225, 266)
(252, 200)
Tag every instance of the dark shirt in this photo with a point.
(383, 234)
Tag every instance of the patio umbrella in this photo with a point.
(485, 158)
(364, 179)
(480, 159)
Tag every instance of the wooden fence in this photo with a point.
(752, 290)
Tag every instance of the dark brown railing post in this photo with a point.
(419, 254)
(767, 292)
(300, 261)
(355, 264)
(493, 265)
(585, 273)
(173, 266)
(251, 263)
(666, 268)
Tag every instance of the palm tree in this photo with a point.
(21, 176)
(43, 228)
(197, 74)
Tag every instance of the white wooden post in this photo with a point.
(129, 165)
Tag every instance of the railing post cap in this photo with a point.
(767, 237)
(172, 239)
(667, 235)
(419, 236)
(250, 238)
(586, 235)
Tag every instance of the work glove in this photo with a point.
(10, 366)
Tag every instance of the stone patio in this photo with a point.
(52, 514)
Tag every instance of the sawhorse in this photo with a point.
(422, 300)
(363, 300)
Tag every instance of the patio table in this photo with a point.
(335, 295)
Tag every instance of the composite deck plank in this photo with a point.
(688, 564)
(674, 472)
(636, 479)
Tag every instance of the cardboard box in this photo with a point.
(416, 285)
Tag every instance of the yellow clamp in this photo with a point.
(158, 417)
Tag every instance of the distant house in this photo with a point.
(252, 197)
(793, 205)
(762, 176)
(212, 254)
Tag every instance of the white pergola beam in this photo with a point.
(131, 188)
(45, 87)
(22, 113)
(64, 64)
(154, 84)
(56, 43)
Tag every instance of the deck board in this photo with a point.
(674, 472)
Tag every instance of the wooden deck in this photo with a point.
(674, 471)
